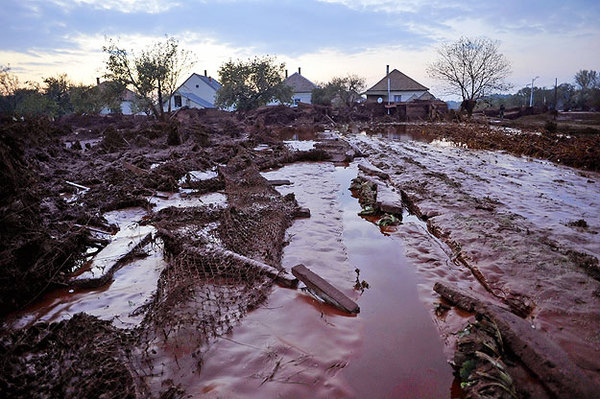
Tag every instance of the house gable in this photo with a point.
(299, 83)
(402, 88)
(398, 82)
(197, 91)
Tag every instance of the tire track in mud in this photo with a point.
(460, 193)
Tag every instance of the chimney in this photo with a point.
(387, 70)
(286, 74)
(205, 73)
(210, 79)
(98, 81)
(299, 71)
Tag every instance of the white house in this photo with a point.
(401, 89)
(301, 86)
(196, 92)
(128, 99)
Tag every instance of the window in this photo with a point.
(397, 99)
(197, 86)
(177, 99)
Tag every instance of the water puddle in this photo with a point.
(296, 346)
(298, 145)
(197, 175)
(131, 285)
(84, 145)
(185, 199)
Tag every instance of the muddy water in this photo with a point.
(513, 218)
(294, 346)
(131, 286)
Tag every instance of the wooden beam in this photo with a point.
(282, 182)
(323, 289)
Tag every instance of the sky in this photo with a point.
(326, 38)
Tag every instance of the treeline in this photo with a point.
(584, 95)
(57, 96)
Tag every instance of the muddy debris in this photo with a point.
(222, 260)
(509, 333)
(79, 358)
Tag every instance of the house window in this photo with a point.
(197, 86)
(397, 99)
(177, 101)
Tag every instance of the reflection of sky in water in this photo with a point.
(297, 145)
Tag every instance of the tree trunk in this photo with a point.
(160, 102)
(469, 106)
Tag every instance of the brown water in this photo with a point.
(295, 346)
(513, 218)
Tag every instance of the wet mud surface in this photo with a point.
(516, 224)
(194, 301)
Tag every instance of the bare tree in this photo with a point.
(153, 73)
(587, 79)
(340, 91)
(471, 67)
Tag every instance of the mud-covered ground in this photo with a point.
(526, 229)
(524, 234)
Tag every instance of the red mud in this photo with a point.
(520, 233)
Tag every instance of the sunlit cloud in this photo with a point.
(125, 6)
(325, 37)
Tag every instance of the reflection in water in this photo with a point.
(296, 346)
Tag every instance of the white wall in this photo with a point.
(405, 94)
(306, 98)
(204, 91)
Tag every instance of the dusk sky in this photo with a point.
(42, 38)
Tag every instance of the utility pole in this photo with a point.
(387, 72)
(531, 96)
(556, 94)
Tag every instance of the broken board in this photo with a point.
(328, 292)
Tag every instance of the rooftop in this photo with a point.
(398, 82)
(299, 83)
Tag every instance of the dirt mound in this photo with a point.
(79, 358)
(36, 249)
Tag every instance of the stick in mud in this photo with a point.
(79, 186)
(281, 277)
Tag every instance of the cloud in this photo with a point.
(327, 37)
(124, 6)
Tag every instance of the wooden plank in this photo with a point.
(109, 259)
(325, 290)
(79, 186)
(134, 169)
(302, 213)
(282, 182)
(94, 229)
